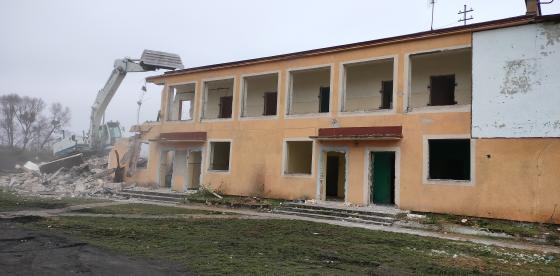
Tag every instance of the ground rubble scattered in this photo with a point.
(91, 178)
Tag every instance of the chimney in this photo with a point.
(533, 7)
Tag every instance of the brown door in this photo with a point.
(270, 103)
(225, 106)
(442, 90)
(386, 94)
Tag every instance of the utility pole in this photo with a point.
(433, 3)
(465, 12)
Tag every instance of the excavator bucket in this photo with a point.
(160, 60)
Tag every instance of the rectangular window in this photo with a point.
(180, 102)
(185, 110)
(218, 99)
(449, 159)
(309, 91)
(440, 78)
(442, 90)
(219, 156)
(367, 86)
(299, 155)
(259, 95)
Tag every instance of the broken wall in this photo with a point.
(516, 82)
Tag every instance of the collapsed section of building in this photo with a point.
(462, 120)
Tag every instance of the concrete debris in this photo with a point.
(66, 162)
(30, 167)
(415, 216)
(89, 178)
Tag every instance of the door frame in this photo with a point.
(368, 166)
(189, 151)
(321, 176)
(163, 151)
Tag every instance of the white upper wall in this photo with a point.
(516, 82)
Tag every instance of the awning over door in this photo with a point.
(182, 137)
(359, 133)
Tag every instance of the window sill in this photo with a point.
(298, 175)
(367, 113)
(250, 118)
(179, 121)
(448, 182)
(217, 120)
(219, 171)
(440, 109)
(308, 115)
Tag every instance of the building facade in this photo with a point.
(462, 120)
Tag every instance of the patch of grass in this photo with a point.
(10, 201)
(280, 247)
(143, 209)
(514, 228)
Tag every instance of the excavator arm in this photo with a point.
(150, 61)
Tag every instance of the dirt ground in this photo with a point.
(25, 252)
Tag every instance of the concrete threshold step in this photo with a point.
(349, 211)
(155, 193)
(337, 213)
(319, 216)
(151, 197)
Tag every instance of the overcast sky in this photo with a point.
(63, 51)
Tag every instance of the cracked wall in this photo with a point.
(516, 82)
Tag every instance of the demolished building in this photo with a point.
(462, 120)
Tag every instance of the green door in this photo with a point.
(383, 178)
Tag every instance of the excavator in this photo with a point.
(101, 137)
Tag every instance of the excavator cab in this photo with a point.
(109, 133)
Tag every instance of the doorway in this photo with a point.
(383, 177)
(194, 162)
(335, 176)
(166, 168)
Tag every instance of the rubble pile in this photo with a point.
(91, 178)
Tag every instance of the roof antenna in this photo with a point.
(465, 12)
(433, 4)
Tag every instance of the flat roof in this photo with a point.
(494, 24)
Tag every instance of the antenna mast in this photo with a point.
(465, 12)
(433, 3)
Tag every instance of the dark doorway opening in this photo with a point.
(383, 177)
(324, 95)
(442, 90)
(225, 106)
(270, 99)
(386, 94)
(335, 176)
(449, 159)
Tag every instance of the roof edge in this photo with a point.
(494, 24)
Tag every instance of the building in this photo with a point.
(463, 120)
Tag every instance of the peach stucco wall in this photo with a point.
(518, 180)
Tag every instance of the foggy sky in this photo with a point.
(63, 51)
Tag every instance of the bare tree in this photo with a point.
(59, 117)
(8, 109)
(27, 113)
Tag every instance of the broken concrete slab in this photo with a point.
(65, 162)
